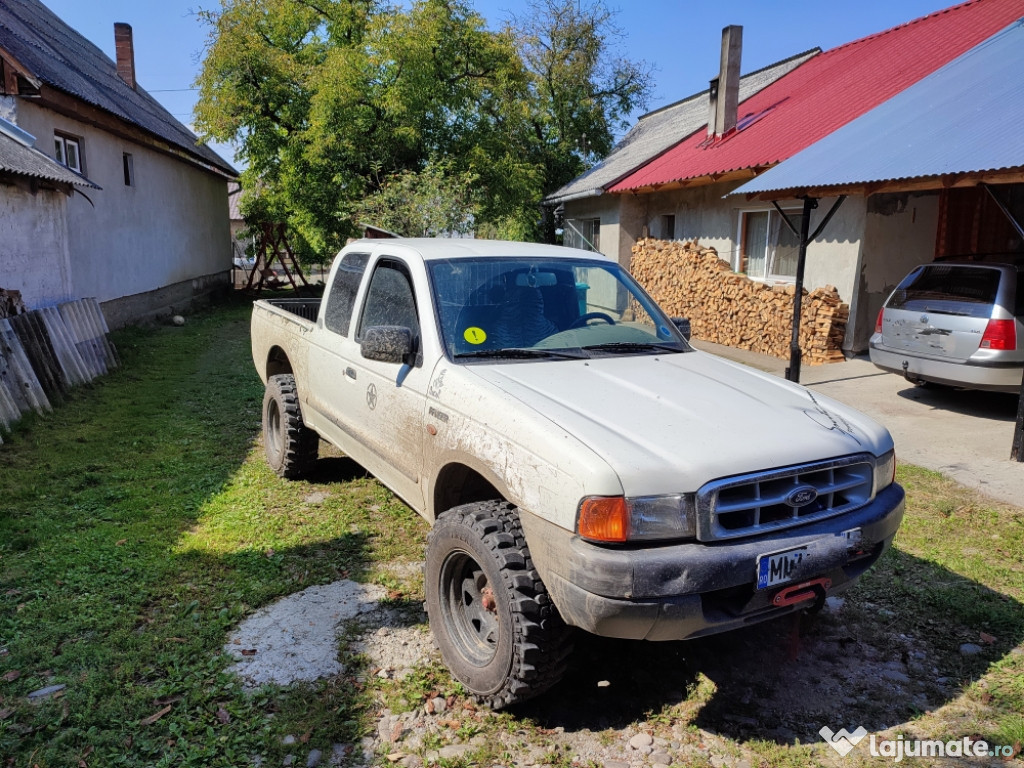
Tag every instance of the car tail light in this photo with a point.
(878, 322)
(1000, 334)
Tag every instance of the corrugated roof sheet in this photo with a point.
(829, 91)
(22, 160)
(967, 117)
(658, 130)
(60, 57)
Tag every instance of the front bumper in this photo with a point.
(1001, 377)
(678, 591)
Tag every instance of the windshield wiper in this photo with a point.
(520, 353)
(632, 346)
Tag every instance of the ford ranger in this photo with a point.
(580, 463)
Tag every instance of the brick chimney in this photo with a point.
(125, 52)
(725, 89)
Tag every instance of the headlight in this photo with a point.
(620, 519)
(885, 471)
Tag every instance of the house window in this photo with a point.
(668, 227)
(769, 249)
(583, 233)
(129, 169)
(68, 151)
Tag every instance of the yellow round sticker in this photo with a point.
(474, 335)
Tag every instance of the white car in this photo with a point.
(581, 465)
(956, 324)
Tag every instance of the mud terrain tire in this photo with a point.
(291, 447)
(498, 631)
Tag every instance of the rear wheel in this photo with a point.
(291, 447)
(491, 616)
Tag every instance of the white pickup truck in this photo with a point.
(580, 463)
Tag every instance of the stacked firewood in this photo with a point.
(688, 280)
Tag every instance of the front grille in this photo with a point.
(749, 505)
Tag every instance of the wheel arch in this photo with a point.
(277, 362)
(464, 481)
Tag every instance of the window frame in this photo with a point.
(742, 234)
(128, 166)
(60, 151)
(589, 232)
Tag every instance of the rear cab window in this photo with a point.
(342, 298)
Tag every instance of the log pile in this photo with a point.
(688, 280)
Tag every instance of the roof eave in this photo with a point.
(77, 108)
(887, 186)
(559, 199)
(739, 174)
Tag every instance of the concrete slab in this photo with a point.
(965, 435)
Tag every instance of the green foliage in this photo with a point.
(428, 203)
(342, 108)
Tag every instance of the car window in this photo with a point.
(390, 299)
(554, 304)
(948, 288)
(342, 298)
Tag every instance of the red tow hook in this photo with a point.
(808, 590)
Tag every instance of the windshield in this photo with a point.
(528, 308)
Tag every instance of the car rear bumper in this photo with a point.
(679, 591)
(997, 377)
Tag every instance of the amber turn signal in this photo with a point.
(604, 518)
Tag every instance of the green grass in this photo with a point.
(139, 525)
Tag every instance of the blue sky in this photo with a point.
(680, 38)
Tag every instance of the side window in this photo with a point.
(342, 298)
(389, 299)
(68, 151)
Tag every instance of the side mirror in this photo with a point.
(387, 343)
(682, 325)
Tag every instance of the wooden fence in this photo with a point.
(46, 352)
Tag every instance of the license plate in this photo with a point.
(779, 567)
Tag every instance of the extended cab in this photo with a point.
(580, 463)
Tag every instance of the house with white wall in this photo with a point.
(874, 238)
(151, 233)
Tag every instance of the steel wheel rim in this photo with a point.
(273, 430)
(469, 608)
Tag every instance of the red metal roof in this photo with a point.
(828, 91)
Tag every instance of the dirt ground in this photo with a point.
(633, 703)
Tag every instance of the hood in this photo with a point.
(673, 422)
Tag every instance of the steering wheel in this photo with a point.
(584, 319)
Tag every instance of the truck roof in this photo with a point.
(439, 248)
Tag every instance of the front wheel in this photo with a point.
(291, 447)
(492, 618)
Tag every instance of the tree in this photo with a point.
(430, 203)
(583, 91)
(332, 100)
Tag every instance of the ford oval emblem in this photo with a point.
(924, 319)
(802, 496)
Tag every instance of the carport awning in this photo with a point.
(964, 123)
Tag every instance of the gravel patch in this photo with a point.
(296, 638)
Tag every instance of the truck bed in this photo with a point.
(307, 309)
